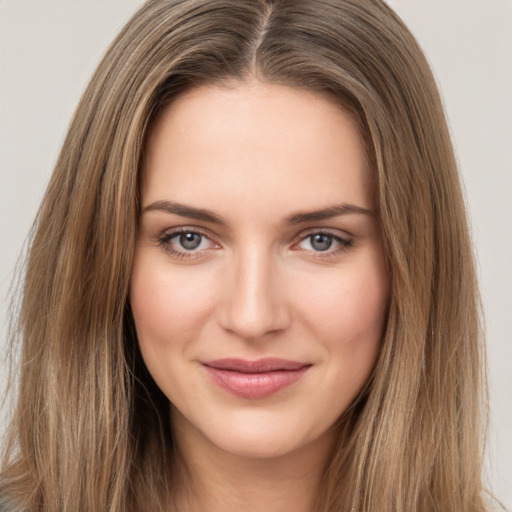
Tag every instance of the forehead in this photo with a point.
(264, 143)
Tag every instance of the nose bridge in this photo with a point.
(254, 303)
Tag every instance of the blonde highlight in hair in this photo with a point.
(91, 429)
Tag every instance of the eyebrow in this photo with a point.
(185, 211)
(296, 218)
(328, 213)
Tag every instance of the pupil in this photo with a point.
(190, 240)
(321, 242)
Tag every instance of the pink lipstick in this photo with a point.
(254, 379)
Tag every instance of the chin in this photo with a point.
(258, 438)
(258, 447)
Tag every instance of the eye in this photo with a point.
(189, 241)
(186, 243)
(320, 242)
(323, 242)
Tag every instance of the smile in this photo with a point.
(254, 379)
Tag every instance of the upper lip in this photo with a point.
(268, 364)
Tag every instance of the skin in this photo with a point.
(255, 155)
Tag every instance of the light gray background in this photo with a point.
(48, 50)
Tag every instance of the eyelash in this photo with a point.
(344, 243)
(165, 238)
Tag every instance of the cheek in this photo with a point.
(348, 309)
(347, 317)
(168, 307)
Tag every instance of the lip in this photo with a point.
(254, 379)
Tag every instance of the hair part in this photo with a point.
(91, 429)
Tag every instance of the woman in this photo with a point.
(251, 282)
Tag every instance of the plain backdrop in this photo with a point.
(49, 49)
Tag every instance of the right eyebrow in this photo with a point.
(185, 211)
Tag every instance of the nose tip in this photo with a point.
(254, 304)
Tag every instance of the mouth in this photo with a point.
(254, 379)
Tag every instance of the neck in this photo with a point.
(219, 481)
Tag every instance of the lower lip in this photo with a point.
(254, 385)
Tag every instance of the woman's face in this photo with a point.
(259, 287)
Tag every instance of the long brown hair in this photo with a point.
(91, 429)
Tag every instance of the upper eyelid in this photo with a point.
(335, 232)
(170, 232)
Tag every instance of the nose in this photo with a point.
(254, 301)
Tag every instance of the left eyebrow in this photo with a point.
(328, 213)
